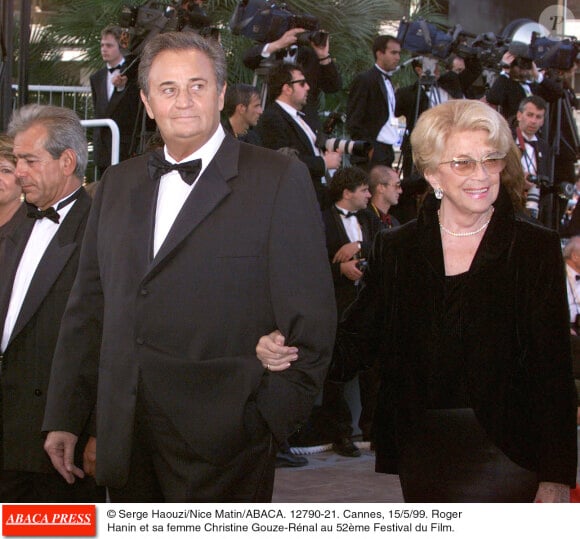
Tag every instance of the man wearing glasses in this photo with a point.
(385, 187)
(283, 125)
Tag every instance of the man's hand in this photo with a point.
(288, 38)
(350, 271)
(60, 446)
(273, 354)
(90, 457)
(332, 160)
(119, 81)
(346, 252)
(552, 493)
(322, 51)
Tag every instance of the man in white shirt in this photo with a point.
(188, 258)
(282, 125)
(51, 156)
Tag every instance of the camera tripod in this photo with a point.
(562, 132)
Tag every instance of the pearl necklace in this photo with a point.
(464, 234)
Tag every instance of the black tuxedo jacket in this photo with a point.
(277, 129)
(123, 107)
(28, 356)
(244, 256)
(514, 323)
(368, 105)
(542, 155)
(336, 237)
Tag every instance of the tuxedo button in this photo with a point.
(140, 340)
(37, 392)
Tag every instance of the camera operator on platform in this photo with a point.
(312, 55)
(519, 79)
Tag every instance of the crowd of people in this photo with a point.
(169, 339)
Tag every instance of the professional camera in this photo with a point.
(324, 140)
(488, 48)
(422, 37)
(139, 23)
(362, 264)
(265, 21)
(554, 53)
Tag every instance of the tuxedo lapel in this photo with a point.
(297, 129)
(381, 82)
(55, 258)
(343, 236)
(209, 191)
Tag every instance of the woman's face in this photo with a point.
(475, 192)
(9, 190)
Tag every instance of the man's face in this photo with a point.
(41, 177)
(110, 51)
(253, 111)
(390, 57)
(299, 90)
(531, 119)
(357, 199)
(184, 100)
(458, 65)
(521, 70)
(391, 189)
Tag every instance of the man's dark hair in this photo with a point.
(238, 94)
(346, 178)
(381, 43)
(535, 100)
(280, 75)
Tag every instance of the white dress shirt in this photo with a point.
(42, 234)
(302, 124)
(389, 133)
(173, 191)
(573, 289)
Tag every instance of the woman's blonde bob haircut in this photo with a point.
(430, 135)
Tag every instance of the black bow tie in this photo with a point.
(347, 214)
(111, 69)
(50, 213)
(578, 277)
(158, 166)
(532, 143)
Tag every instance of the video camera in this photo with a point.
(140, 23)
(554, 53)
(422, 37)
(265, 21)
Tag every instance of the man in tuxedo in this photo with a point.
(349, 235)
(283, 125)
(116, 96)
(370, 112)
(37, 273)
(312, 57)
(189, 257)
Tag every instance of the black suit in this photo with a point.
(516, 357)
(27, 361)
(335, 412)
(277, 129)
(179, 331)
(123, 108)
(367, 111)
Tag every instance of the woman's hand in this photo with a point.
(272, 353)
(552, 493)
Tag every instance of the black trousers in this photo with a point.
(164, 468)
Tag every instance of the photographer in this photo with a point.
(535, 156)
(520, 79)
(461, 73)
(314, 58)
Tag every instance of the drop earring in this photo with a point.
(438, 193)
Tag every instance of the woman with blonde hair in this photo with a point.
(465, 309)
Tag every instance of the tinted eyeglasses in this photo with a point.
(464, 166)
(302, 82)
